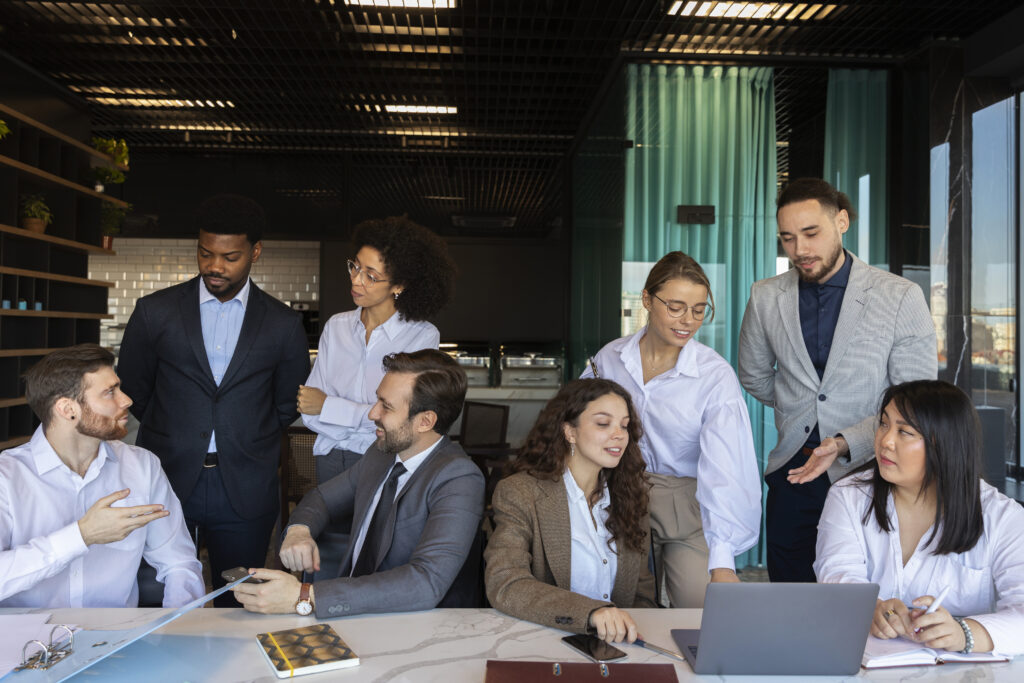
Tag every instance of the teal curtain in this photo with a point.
(706, 135)
(856, 115)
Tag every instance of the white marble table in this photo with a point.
(439, 645)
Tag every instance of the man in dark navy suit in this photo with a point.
(214, 365)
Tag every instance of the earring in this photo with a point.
(396, 295)
(572, 449)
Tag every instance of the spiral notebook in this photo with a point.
(306, 650)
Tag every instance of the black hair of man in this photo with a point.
(231, 214)
(802, 189)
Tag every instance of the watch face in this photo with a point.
(304, 608)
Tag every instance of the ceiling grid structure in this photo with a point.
(493, 93)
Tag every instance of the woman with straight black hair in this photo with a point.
(919, 520)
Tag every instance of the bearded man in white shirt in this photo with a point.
(80, 509)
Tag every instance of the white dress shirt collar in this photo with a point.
(413, 463)
(242, 296)
(686, 365)
(392, 327)
(45, 458)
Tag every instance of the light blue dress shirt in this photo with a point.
(222, 323)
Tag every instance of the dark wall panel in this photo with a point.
(506, 291)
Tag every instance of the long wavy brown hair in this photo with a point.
(546, 452)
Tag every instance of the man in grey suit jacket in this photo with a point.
(415, 499)
(820, 344)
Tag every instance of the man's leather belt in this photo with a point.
(211, 460)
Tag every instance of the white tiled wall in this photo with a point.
(288, 270)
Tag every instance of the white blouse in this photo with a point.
(348, 370)
(986, 582)
(592, 564)
(696, 424)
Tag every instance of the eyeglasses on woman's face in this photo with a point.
(369, 277)
(677, 309)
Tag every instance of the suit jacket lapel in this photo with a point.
(555, 532)
(850, 315)
(193, 326)
(789, 310)
(255, 310)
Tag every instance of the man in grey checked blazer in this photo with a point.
(819, 344)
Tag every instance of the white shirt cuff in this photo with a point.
(720, 557)
(66, 544)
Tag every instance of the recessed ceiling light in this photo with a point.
(749, 10)
(158, 102)
(419, 109)
(405, 4)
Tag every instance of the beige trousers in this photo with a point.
(680, 551)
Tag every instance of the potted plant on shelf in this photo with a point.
(35, 214)
(4, 129)
(117, 150)
(111, 217)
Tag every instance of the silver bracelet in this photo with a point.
(968, 636)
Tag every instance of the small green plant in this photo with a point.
(4, 130)
(105, 175)
(115, 149)
(112, 216)
(34, 206)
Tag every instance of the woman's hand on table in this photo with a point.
(613, 625)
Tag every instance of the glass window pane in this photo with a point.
(993, 270)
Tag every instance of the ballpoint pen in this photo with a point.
(660, 650)
(936, 604)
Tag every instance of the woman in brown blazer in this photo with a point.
(579, 486)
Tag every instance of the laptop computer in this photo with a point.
(780, 628)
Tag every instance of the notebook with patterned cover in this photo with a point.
(306, 650)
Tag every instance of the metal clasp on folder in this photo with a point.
(49, 653)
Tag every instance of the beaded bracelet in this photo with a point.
(968, 636)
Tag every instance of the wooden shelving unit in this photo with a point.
(48, 270)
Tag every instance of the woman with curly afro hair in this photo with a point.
(401, 276)
(569, 548)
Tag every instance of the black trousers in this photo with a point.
(231, 541)
(791, 523)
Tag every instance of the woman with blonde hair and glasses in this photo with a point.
(401, 275)
(706, 495)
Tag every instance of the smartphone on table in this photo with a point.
(232, 575)
(594, 648)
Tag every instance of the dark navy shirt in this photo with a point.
(820, 304)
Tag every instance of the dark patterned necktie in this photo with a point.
(367, 562)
